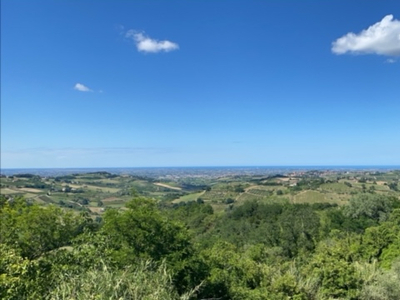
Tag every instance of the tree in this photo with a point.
(383, 242)
(373, 206)
(332, 268)
(34, 230)
(142, 232)
(18, 275)
(393, 186)
(299, 229)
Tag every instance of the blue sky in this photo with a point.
(199, 83)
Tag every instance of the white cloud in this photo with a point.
(82, 88)
(390, 61)
(382, 38)
(147, 44)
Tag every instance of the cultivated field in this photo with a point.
(94, 192)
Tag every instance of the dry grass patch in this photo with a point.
(7, 191)
(168, 186)
(30, 190)
(94, 209)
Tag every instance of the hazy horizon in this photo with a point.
(202, 170)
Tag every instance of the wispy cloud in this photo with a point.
(120, 28)
(64, 152)
(82, 88)
(382, 38)
(146, 44)
(390, 61)
(85, 157)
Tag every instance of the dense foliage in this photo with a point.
(187, 251)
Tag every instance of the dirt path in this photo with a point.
(168, 186)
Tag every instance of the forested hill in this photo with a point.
(248, 237)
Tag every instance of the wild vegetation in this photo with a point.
(314, 235)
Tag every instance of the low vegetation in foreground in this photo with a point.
(294, 236)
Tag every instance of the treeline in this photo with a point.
(188, 251)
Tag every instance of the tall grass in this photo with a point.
(383, 285)
(145, 281)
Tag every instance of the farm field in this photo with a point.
(94, 192)
(189, 197)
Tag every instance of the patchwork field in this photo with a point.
(94, 192)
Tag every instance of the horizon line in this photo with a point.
(208, 166)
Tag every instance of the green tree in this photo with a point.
(332, 268)
(383, 242)
(34, 230)
(299, 229)
(374, 206)
(141, 231)
(18, 276)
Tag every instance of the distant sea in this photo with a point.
(194, 171)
